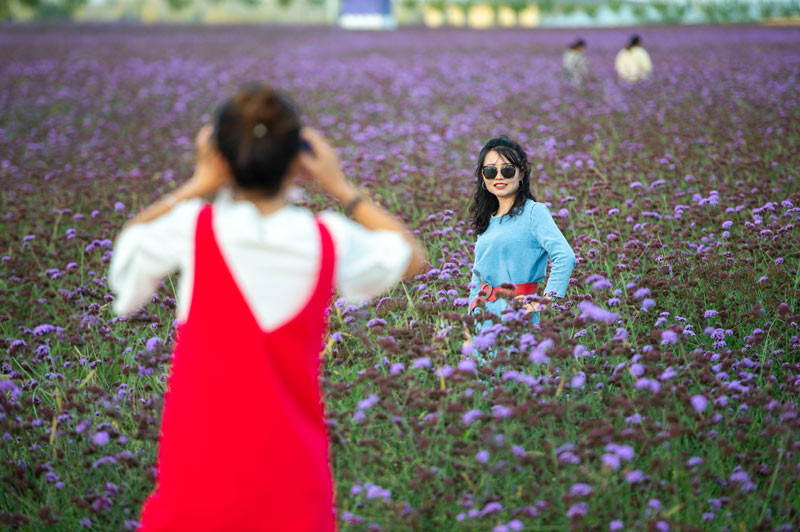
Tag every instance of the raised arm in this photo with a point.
(211, 173)
(322, 165)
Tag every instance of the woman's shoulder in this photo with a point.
(337, 222)
(189, 207)
(534, 207)
(247, 212)
(242, 222)
(528, 210)
(178, 222)
(348, 233)
(537, 210)
(342, 229)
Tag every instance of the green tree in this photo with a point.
(614, 5)
(545, 6)
(591, 9)
(178, 5)
(44, 9)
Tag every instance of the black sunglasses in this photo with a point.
(508, 171)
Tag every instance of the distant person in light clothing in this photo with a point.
(633, 62)
(576, 69)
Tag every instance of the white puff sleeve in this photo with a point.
(145, 253)
(368, 263)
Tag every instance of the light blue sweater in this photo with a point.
(515, 250)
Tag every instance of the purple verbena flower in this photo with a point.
(538, 355)
(471, 416)
(578, 380)
(580, 490)
(152, 343)
(7, 386)
(610, 460)
(699, 403)
(592, 312)
(580, 351)
(490, 508)
(634, 477)
(668, 373)
(625, 452)
(467, 366)
(579, 509)
(669, 337)
(501, 411)
(645, 383)
(422, 362)
(369, 402)
(641, 293)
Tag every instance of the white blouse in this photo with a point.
(273, 258)
(633, 65)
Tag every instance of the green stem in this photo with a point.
(772, 480)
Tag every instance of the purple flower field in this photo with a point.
(660, 394)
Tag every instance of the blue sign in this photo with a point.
(366, 7)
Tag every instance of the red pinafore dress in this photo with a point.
(243, 443)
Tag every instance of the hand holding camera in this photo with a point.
(320, 163)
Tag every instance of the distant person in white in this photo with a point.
(576, 69)
(633, 62)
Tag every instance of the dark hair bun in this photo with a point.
(257, 131)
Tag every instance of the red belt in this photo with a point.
(490, 293)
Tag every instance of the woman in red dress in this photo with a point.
(243, 443)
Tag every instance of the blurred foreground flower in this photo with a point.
(590, 311)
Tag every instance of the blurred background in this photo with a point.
(387, 14)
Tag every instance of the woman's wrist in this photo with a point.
(345, 194)
(351, 205)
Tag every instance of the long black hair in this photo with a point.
(484, 203)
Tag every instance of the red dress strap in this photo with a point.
(327, 264)
(243, 442)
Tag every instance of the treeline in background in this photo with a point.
(472, 13)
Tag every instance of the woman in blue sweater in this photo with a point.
(516, 234)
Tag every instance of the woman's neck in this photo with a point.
(265, 204)
(504, 206)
